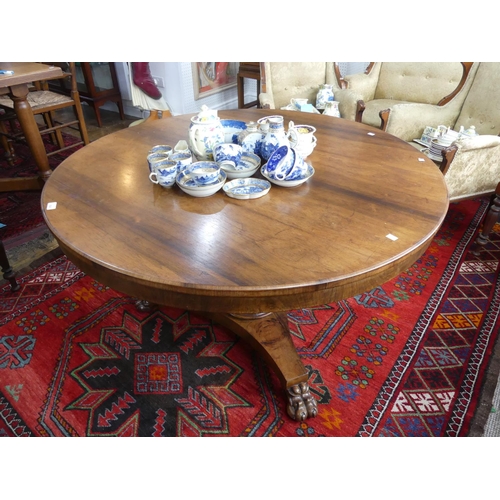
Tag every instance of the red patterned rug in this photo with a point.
(405, 359)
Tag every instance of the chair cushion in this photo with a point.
(38, 99)
(373, 108)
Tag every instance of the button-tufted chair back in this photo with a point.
(283, 80)
(481, 107)
(418, 82)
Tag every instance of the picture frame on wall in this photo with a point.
(212, 77)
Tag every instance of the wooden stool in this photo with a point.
(248, 70)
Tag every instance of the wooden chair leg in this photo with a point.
(492, 217)
(7, 145)
(8, 273)
(81, 119)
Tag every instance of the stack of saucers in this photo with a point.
(441, 143)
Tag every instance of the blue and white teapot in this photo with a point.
(205, 131)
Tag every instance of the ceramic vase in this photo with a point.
(324, 95)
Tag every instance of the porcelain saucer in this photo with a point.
(247, 189)
(285, 183)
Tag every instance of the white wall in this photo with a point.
(178, 89)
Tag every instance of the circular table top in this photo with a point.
(367, 214)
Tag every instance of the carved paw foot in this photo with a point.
(301, 404)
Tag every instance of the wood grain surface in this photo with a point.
(295, 247)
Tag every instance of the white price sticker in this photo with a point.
(391, 237)
(52, 205)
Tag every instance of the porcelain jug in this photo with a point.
(276, 137)
(324, 95)
(205, 131)
(470, 132)
(332, 109)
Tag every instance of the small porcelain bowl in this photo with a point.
(204, 172)
(228, 155)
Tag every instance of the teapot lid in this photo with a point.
(206, 114)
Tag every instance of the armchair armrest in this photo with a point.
(475, 167)
(348, 103)
(266, 101)
(408, 121)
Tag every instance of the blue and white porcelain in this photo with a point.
(251, 138)
(155, 159)
(275, 137)
(281, 162)
(288, 183)
(324, 95)
(183, 160)
(204, 172)
(232, 128)
(246, 189)
(299, 169)
(205, 131)
(189, 186)
(247, 166)
(163, 149)
(228, 155)
(164, 174)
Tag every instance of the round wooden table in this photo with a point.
(368, 213)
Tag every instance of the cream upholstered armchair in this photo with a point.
(280, 81)
(471, 166)
(363, 96)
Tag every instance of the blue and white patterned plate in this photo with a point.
(231, 130)
(246, 189)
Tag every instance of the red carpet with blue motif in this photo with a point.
(407, 358)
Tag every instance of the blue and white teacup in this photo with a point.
(163, 149)
(204, 172)
(228, 155)
(281, 162)
(164, 173)
(183, 160)
(298, 170)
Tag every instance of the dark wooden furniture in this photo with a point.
(492, 217)
(17, 87)
(248, 70)
(8, 272)
(371, 210)
(97, 84)
(46, 103)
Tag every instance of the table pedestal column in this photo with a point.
(269, 335)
